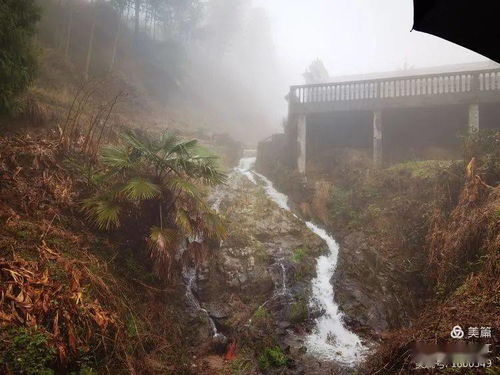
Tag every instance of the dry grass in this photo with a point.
(75, 285)
(465, 267)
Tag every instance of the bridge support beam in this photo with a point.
(473, 118)
(377, 138)
(301, 140)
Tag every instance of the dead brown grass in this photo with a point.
(464, 253)
(73, 283)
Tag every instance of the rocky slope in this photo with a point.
(256, 287)
(269, 253)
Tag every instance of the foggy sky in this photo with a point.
(354, 36)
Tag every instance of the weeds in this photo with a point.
(26, 351)
(261, 313)
(299, 312)
(272, 357)
(298, 255)
(57, 275)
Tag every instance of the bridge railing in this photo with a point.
(386, 88)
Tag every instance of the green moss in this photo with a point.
(26, 230)
(298, 312)
(261, 313)
(26, 351)
(421, 169)
(298, 255)
(272, 357)
(57, 272)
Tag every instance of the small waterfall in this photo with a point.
(330, 338)
(279, 198)
(284, 289)
(245, 168)
(216, 198)
(190, 280)
(281, 288)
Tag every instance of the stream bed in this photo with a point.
(330, 338)
(255, 272)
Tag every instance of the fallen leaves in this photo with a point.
(29, 296)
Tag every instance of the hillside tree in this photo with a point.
(18, 19)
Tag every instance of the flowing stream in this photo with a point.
(330, 339)
(189, 275)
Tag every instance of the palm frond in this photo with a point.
(163, 244)
(84, 170)
(117, 157)
(139, 188)
(103, 212)
(203, 168)
(142, 145)
(206, 169)
(214, 226)
(182, 185)
(183, 222)
(184, 148)
(167, 142)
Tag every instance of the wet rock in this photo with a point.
(364, 285)
(284, 324)
(258, 265)
(219, 344)
(217, 310)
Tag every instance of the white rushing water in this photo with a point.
(245, 168)
(190, 280)
(330, 338)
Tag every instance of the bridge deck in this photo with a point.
(413, 91)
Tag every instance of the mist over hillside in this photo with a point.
(248, 187)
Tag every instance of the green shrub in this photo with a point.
(298, 255)
(17, 60)
(26, 351)
(341, 206)
(261, 313)
(272, 357)
(243, 365)
(485, 146)
(298, 312)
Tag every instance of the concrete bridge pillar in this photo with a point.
(301, 139)
(377, 138)
(473, 118)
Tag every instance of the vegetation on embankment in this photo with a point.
(18, 63)
(76, 299)
(430, 240)
(463, 270)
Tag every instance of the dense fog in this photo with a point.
(253, 50)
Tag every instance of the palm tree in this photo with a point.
(157, 182)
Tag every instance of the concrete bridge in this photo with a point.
(437, 105)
